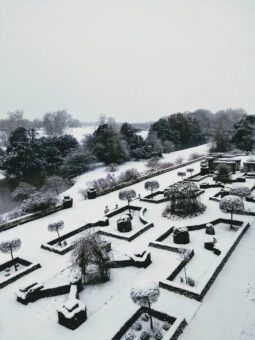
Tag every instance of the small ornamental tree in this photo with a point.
(23, 191)
(190, 170)
(145, 294)
(223, 174)
(127, 195)
(184, 256)
(231, 203)
(9, 247)
(151, 185)
(240, 190)
(184, 201)
(56, 227)
(181, 174)
(87, 251)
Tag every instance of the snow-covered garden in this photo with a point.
(186, 256)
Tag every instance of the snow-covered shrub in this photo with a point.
(184, 201)
(38, 201)
(129, 336)
(83, 192)
(137, 326)
(145, 317)
(128, 175)
(145, 335)
(240, 190)
(158, 335)
(190, 281)
(166, 326)
(209, 229)
(231, 203)
(23, 191)
(181, 235)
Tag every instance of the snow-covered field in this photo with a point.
(227, 311)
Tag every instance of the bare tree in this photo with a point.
(184, 256)
(151, 185)
(55, 122)
(23, 191)
(127, 195)
(89, 250)
(145, 294)
(56, 227)
(54, 183)
(11, 246)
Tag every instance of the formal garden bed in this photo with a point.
(13, 270)
(127, 223)
(165, 327)
(155, 197)
(202, 258)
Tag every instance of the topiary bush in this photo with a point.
(209, 229)
(181, 235)
(145, 335)
(145, 317)
(137, 326)
(129, 336)
(158, 335)
(166, 326)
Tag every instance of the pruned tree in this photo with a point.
(184, 255)
(9, 247)
(184, 200)
(223, 174)
(127, 195)
(145, 294)
(190, 170)
(23, 191)
(151, 185)
(87, 251)
(232, 204)
(56, 227)
(240, 190)
(181, 174)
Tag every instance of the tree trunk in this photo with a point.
(231, 225)
(185, 274)
(13, 259)
(59, 238)
(151, 322)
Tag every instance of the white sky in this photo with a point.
(133, 60)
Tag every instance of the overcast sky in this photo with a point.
(133, 60)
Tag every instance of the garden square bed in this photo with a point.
(155, 197)
(139, 223)
(138, 327)
(13, 270)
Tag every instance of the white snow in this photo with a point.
(227, 311)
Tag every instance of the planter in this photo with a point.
(181, 236)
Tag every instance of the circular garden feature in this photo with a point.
(124, 224)
(181, 235)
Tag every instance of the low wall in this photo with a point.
(29, 218)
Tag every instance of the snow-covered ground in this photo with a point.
(227, 311)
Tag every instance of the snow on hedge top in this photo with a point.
(123, 218)
(240, 190)
(180, 229)
(231, 203)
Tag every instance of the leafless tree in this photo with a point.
(11, 246)
(190, 170)
(89, 250)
